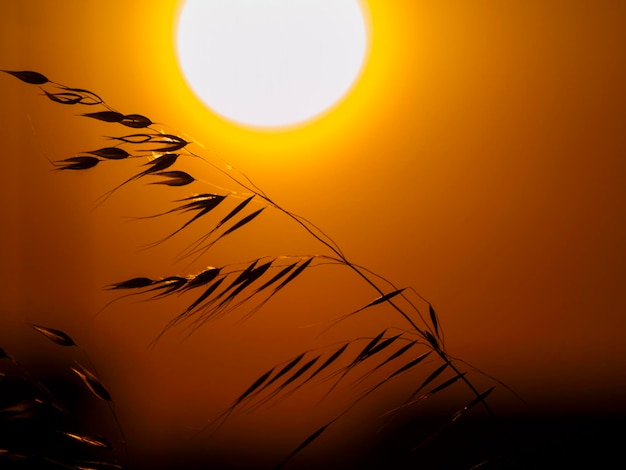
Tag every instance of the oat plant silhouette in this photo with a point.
(413, 334)
(38, 430)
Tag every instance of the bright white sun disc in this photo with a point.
(271, 63)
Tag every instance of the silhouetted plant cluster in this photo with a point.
(38, 430)
(218, 291)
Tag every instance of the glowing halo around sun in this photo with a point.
(271, 63)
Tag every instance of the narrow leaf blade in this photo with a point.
(174, 178)
(478, 399)
(136, 121)
(82, 162)
(247, 219)
(57, 336)
(111, 153)
(134, 283)
(106, 116)
(92, 382)
(432, 376)
(433, 319)
(410, 364)
(384, 298)
(64, 98)
(92, 441)
(34, 78)
(304, 444)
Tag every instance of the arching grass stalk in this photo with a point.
(220, 290)
(332, 245)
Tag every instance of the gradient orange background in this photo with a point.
(480, 159)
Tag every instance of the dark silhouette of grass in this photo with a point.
(38, 430)
(400, 349)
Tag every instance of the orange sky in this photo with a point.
(480, 160)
